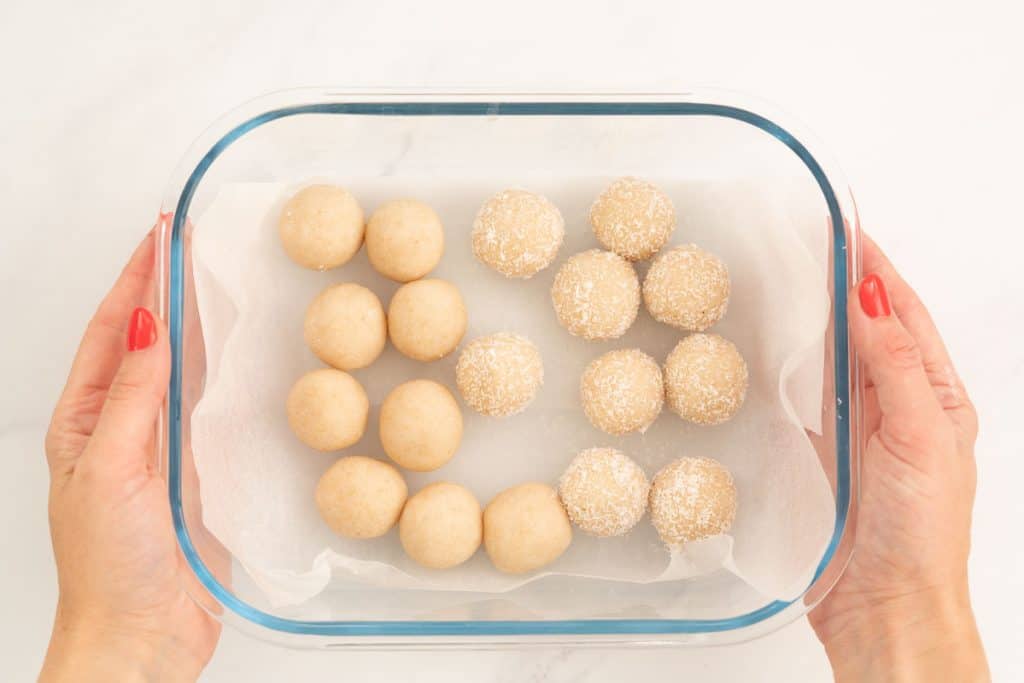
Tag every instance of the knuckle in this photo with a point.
(127, 387)
(902, 349)
(914, 435)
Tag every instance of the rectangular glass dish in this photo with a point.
(300, 134)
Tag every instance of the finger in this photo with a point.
(892, 357)
(123, 438)
(98, 357)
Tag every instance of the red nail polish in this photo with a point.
(874, 300)
(141, 330)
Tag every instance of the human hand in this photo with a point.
(901, 610)
(123, 613)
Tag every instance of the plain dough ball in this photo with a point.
(525, 528)
(404, 239)
(498, 375)
(705, 379)
(596, 295)
(691, 499)
(345, 326)
(688, 288)
(622, 391)
(633, 218)
(420, 425)
(426, 319)
(441, 526)
(321, 227)
(360, 497)
(518, 233)
(604, 492)
(327, 409)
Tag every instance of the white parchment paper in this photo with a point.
(258, 479)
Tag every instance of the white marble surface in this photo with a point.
(921, 102)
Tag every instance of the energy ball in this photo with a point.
(525, 528)
(499, 374)
(691, 499)
(517, 233)
(633, 218)
(404, 239)
(705, 379)
(622, 391)
(360, 497)
(420, 425)
(596, 295)
(321, 227)
(345, 326)
(604, 492)
(441, 526)
(688, 288)
(327, 409)
(426, 319)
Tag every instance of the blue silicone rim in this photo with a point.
(576, 627)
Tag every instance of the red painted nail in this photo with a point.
(141, 330)
(873, 297)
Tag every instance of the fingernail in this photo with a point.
(141, 330)
(874, 300)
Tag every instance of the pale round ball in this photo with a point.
(499, 375)
(622, 391)
(321, 227)
(525, 528)
(688, 288)
(441, 526)
(705, 379)
(596, 295)
(692, 499)
(517, 233)
(404, 239)
(633, 218)
(426, 319)
(360, 497)
(345, 326)
(327, 409)
(420, 425)
(604, 492)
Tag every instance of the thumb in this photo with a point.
(126, 426)
(891, 356)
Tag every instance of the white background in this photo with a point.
(921, 102)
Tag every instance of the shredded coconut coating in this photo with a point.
(622, 391)
(596, 295)
(688, 288)
(604, 492)
(498, 375)
(517, 233)
(691, 499)
(633, 218)
(705, 379)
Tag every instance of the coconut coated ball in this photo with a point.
(321, 227)
(517, 233)
(596, 295)
(441, 526)
(525, 528)
(345, 326)
(327, 409)
(705, 379)
(633, 218)
(404, 239)
(622, 391)
(420, 425)
(499, 374)
(604, 492)
(426, 319)
(360, 497)
(688, 288)
(691, 499)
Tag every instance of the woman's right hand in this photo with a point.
(901, 611)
